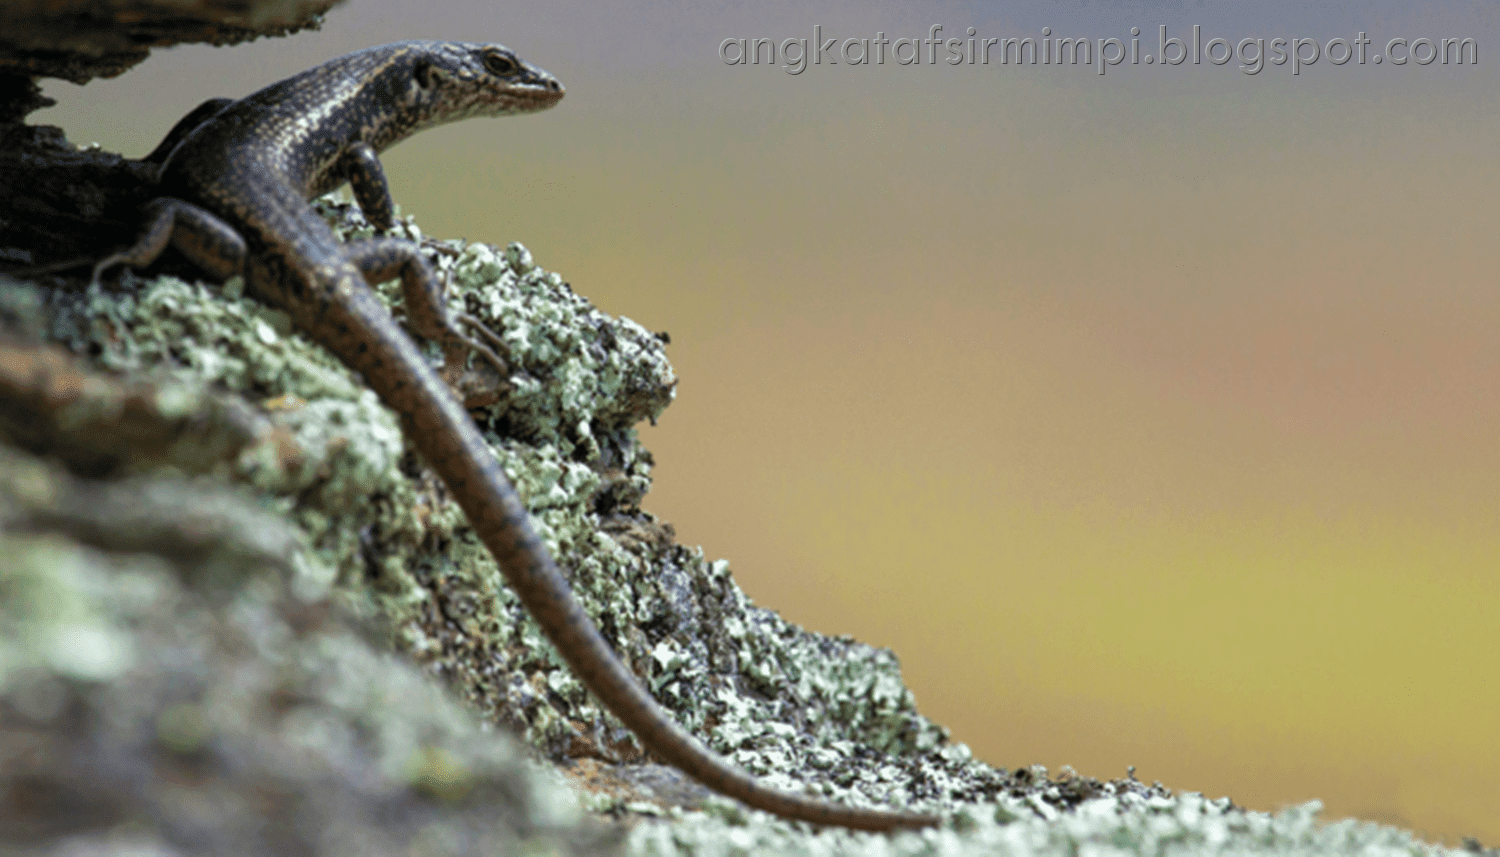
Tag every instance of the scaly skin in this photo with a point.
(235, 179)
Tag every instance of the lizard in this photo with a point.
(235, 178)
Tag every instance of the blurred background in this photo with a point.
(1150, 417)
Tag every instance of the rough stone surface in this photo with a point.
(61, 203)
(79, 40)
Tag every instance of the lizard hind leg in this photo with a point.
(428, 315)
(204, 239)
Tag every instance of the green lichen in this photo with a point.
(226, 714)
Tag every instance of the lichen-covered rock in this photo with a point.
(787, 705)
(366, 526)
(1121, 822)
(211, 703)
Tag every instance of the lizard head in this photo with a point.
(456, 80)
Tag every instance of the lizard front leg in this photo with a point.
(360, 165)
(208, 242)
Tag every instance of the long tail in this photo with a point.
(453, 446)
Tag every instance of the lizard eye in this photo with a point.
(422, 73)
(500, 64)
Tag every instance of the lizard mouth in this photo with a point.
(533, 99)
(547, 97)
(542, 87)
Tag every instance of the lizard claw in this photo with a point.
(472, 385)
(485, 350)
(103, 265)
(488, 344)
(478, 387)
(49, 268)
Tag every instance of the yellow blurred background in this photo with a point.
(1150, 418)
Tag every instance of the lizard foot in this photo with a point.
(490, 347)
(479, 385)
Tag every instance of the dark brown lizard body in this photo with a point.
(235, 179)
